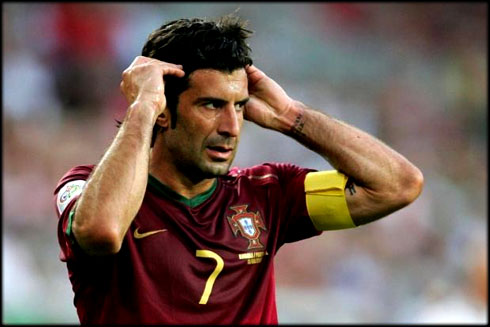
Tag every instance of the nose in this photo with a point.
(230, 122)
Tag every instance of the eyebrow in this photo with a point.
(218, 100)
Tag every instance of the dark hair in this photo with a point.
(197, 44)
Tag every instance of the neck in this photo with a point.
(181, 183)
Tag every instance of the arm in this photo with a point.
(383, 180)
(114, 192)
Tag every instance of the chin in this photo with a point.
(215, 170)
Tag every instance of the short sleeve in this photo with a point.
(295, 222)
(66, 194)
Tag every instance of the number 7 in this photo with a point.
(210, 282)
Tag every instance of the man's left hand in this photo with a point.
(269, 105)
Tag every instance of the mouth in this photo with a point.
(218, 152)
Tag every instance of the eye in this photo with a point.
(239, 106)
(211, 105)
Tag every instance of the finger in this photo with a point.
(177, 66)
(148, 64)
(175, 71)
(167, 67)
(254, 74)
(251, 69)
(140, 60)
(165, 64)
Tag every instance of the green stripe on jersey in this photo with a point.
(169, 193)
(70, 219)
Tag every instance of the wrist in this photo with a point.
(292, 121)
(142, 113)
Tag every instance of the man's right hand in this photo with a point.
(143, 81)
(115, 191)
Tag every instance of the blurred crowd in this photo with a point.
(412, 74)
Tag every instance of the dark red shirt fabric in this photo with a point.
(161, 279)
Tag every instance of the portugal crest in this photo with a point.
(248, 224)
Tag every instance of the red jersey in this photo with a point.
(206, 260)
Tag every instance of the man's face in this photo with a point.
(209, 122)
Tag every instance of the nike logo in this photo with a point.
(139, 235)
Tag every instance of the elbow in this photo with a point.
(402, 191)
(410, 186)
(97, 240)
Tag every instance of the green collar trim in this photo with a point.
(168, 192)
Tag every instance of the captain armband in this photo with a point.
(325, 200)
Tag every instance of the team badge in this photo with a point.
(248, 224)
(68, 192)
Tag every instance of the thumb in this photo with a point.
(254, 74)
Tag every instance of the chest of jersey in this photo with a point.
(207, 256)
(206, 263)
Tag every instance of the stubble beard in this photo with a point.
(205, 168)
(196, 165)
(211, 168)
(216, 169)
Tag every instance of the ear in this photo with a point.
(164, 119)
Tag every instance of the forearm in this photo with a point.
(385, 177)
(383, 180)
(115, 190)
(348, 149)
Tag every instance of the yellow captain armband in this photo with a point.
(325, 200)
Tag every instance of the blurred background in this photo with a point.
(412, 74)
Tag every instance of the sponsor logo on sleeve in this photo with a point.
(68, 192)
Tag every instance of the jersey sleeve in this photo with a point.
(295, 223)
(66, 194)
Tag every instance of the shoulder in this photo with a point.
(77, 173)
(70, 186)
(269, 172)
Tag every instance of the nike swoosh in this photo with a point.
(139, 235)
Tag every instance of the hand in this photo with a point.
(269, 104)
(143, 81)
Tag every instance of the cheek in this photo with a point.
(192, 127)
(192, 134)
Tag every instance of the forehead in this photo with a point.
(215, 83)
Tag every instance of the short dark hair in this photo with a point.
(197, 44)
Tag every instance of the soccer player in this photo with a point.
(162, 231)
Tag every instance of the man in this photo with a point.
(162, 231)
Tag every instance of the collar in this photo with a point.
(169, 193)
